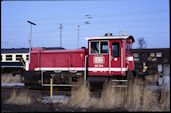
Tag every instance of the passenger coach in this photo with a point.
(11, 60)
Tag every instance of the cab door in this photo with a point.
(115, 57)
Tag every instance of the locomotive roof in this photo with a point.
(112, 37)
(63, 51)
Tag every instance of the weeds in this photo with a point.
(80, 96)
(9, 78)
(110, 97)
(20, 98)
(137, 97)
(134, 96)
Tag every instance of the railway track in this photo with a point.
(56, 91)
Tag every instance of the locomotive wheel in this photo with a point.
(13, 73)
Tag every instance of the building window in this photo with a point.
(159, 67)
(27, 57)
(154, 59)
(115, 49)
(158, 54)
(104, 47)
(136, 55)
(152, 54)
(18, 57)
(136, 59)
(8, 57)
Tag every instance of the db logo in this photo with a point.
(98, 60)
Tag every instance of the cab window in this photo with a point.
(104, 47)
(95, 47)
(115, 49)
(99, 47)
(128, 47)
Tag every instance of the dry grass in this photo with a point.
(163, 105)
(165, 98)
(152, 79)
(149, 100)
(9, 78)
(19, 98)
(135, 98)
(166, 102)
(145, 99)
(80, 96)
(110, 97)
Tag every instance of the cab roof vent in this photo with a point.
(108, 34)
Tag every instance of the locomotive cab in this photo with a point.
(110, 55)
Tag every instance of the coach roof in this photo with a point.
(15, 50)
(26, 50)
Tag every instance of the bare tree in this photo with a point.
(142, 43)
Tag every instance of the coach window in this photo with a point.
(8, 57)
(103, 47)
(115, 49)
(27, 57)
(95, 47)
(18, 57)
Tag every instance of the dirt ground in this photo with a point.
(37, 106)
(51, 108)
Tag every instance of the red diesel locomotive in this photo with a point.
(107, 57)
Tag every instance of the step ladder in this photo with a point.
(120, 83)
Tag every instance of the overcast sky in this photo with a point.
(140, 18)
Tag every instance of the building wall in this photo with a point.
(167, 75)
(160, 56)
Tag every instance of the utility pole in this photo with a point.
(31, 23)
(78, 34)
(60, 35)
(163, 86)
